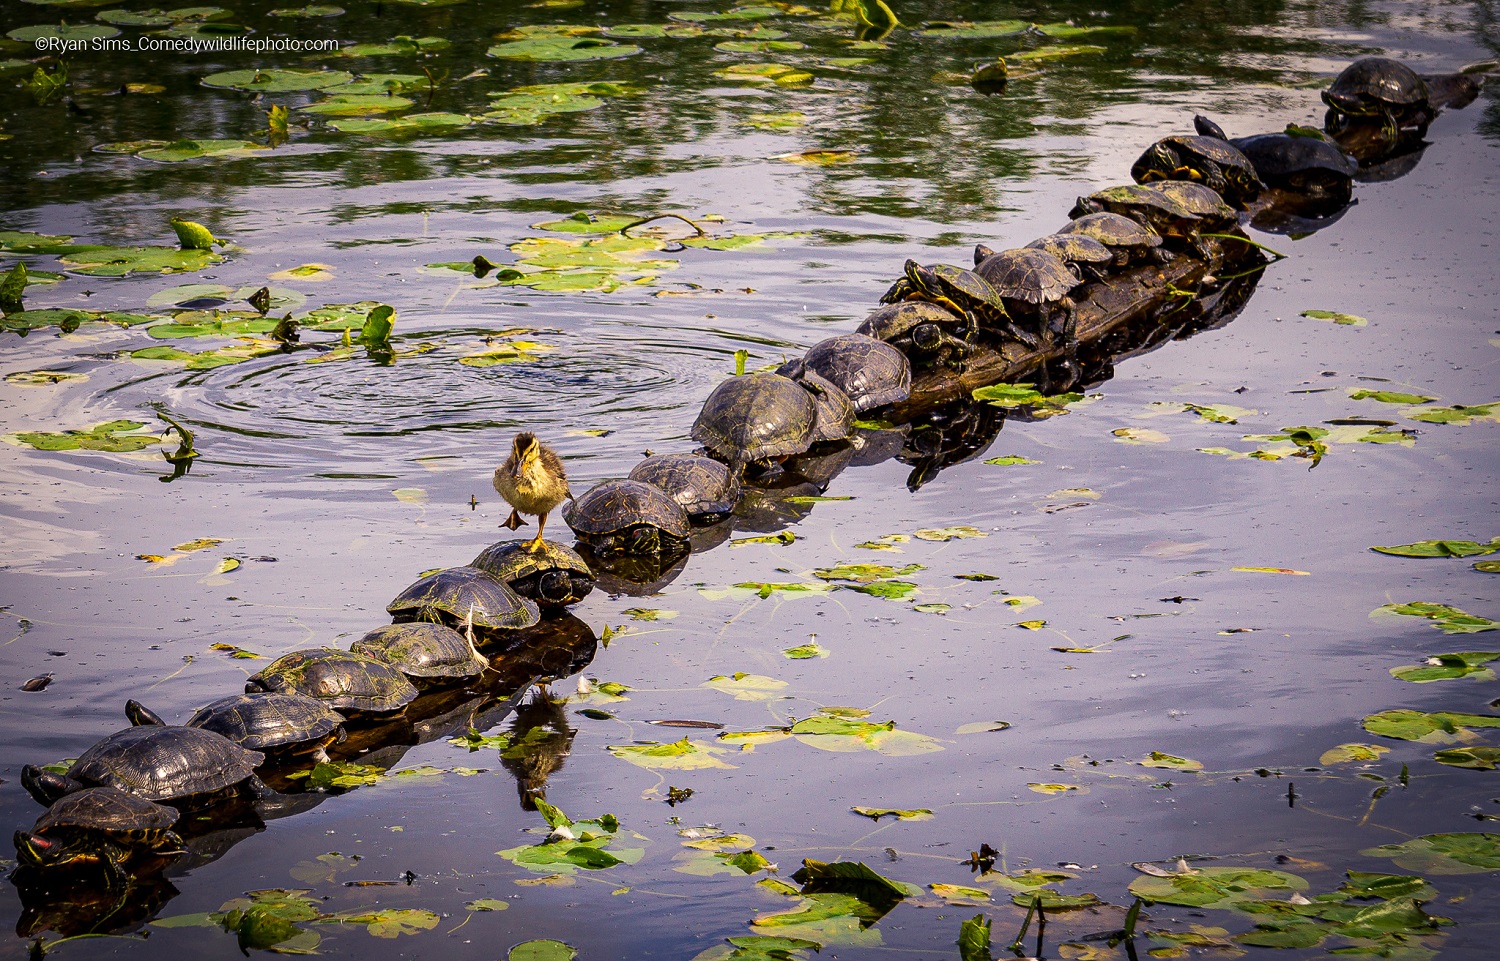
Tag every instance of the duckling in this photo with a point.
(532, 480)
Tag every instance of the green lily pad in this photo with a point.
(747, 687)
(120, 261)
(397, 47)
(788, 120)
(544, 949)
(1442, 667)
(886, 590)
(804, 652)
(115, 436)
(840, 734)
(775, 73)
(1439, 727)
(216, 323)
(389, 923)
(1067, 31)
(1026, 395)
(556, 49)
(977, 30)
(1442, 548)
(759, 46)
(1058, 52)
(1011, 460)
(209, 359)
(733, 14)
(1450, 619)
(43, 378)
(354, 105)
(277, 80)
(180, 150)
(584, 222)
(78, 33)
(1443, 853)
(306, 13)
(683, 755)
(1353, 753)
(1388, 396)
(864, 573)
(413, 124)
(1170, 762)
(70, 320)
(20, 242)
(1346, 320)
(1457, 414)
(948, 533)
(1477, 758)
(900, 814)
(1215, 887)
(1054, 901)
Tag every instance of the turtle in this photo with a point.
(1378, 87)
(1211, 161)
(923, 331)
(871, 372)
(962, 291)
(98, 825)
(287, 724)
(463, 596)
(1088, 256)
(429, 654)
(756, 417)
(1300, 159)
(166, 763)
(835, 412)
(554, 576)
(705, 488)
(338, 679)
(1129, 240)
(1037, 283)
(1172, 208)
(629, 517)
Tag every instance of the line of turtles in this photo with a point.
(126, 793)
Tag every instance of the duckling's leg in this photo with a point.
(513, 521)
(535, 544)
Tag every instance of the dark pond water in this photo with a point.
(334, 478)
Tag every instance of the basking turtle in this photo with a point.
(756, 417)
(1211, 161)
(554, 576)
(1378, 87)
(1034, 283)
(926, 333)
(871, 372)
(1131, 241)
(1172, 208)
(1086, 255)
(1301, 159)
(629, 517)
(338, 679)
(962, 291)
(156, 763)
(429, 654)
(460, 596)
(835, 412)
(288, 724)
(98, 825)
(704, 487)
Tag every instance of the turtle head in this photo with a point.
(981, 253)
(142, 716)
(1162, 159)
(43, 785)
(1207, 128)
(645, 539)
(1084, 207)
(37, 850)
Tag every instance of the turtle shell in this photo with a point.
(164, 763)
(835, 418)
(264, 722)
(871, 372)
(454, 595)
(95, 824)
(1028, 274)
(1113, 230)
(893, 321)
(755, 416)
(703, 486)
(338, 679)
(553, 576)
(422, 650)
(1074, 248)
(967, 288)
(1204, 202)
(630, 517)
(1378, 81)
(1289, 160)
(1128, 198)
(1196, 152)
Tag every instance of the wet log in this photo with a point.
(1138, 296)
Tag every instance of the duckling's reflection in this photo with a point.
(540, 740)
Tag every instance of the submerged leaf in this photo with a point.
(683, 755)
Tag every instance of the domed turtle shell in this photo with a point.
(1197, 152)
(160, 763)
(894, 321)
(704, 487)
(1027, 274)
(615, 507)
(455, 595)
(257, 722)
(554, 576)
(1371, 85)
(756, 416)
(422, 651)
(1131, 198)
(835, 412)
(70, 831)
(338, 679)
(1128, 238)
(1203, 201)
(1073, 248)
(871, 372)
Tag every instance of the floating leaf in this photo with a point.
(789, 120)
(120, 261)
(1442, 667)
(1347, 320)
(1055, 789)
(1457, 414)
(488, 904)
(983, 29)
(830, 732)
(413, 124)
(1140, 435)
(818, 158)
(948, 533)
(983, 727)
(389, 923)
(887, 590)
(683, 755)
(805, 651)
(793, 589)
(747, 687)
(1011, 460)
(1057, 52)
(1347, 753)
(784, 537)
(113, 436)
(542, 950)
(554, 49)
(1388, 396)
(1054, 901)
(277, 80)
(900, 814)
(650, 614)
(1270, 570)
(864, 573)
(1441, 548)
(338, 774)
(1170, 762)
(1477, 758)
(1450, 619)
(43, 378)
(1216, 887)
(1443, 853)
(1439, 727)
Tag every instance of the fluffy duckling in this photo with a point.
(532, 481)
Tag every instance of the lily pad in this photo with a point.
(1439, 727)
(277, 79)
(804, 652)
(1457, 414)
(900, 814)
(120, 261)
(1442, 667)
(351, 105)
(977, 30)
(1443, 548)
(1450, 619)
(1353, 753)
(180, 150)
(1478, 758)
(1170, 762)
(1443, 853)
(1011, 460)
(1216, 887)
(747, 687)
(1388, 396)
(1346, 320)
(412, 124)
(115, 436)
(78, 33)
(683, 755)
(556, 49)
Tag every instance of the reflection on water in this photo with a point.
(299, 461)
